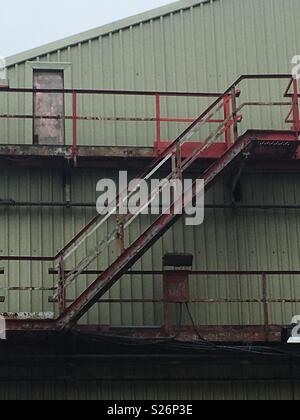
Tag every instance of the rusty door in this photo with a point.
(48, 131)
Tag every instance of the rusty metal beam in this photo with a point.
(83, 151)
(198, 272)
(185, 333)
(210, 333)
(193, 301)
(99, 118)
(29, 325)
(126, 157)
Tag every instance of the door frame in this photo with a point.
(38, 65)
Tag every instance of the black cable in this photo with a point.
(196, 329)
(169, 343)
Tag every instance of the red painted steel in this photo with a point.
(176, 286)
(176, 290)
(227, 113)
(161, 145)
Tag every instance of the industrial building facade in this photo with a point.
(115, 98)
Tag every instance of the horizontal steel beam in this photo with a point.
(186, 333)
(83, 151)
(197, 272)
(101, 118)
(211, 333)
(13, 203)
(30, 325)
(27, 316)
(193, 301)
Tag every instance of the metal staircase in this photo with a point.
(254, 144)
(177, 159)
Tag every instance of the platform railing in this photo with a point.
(159, 118)
(264, 297)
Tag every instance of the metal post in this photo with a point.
(121, 235)
(228, 139)
(61, 286)
(265, 303)
(74, 122)
(234, 115)
(296, 115)
(158, 121)
(179, 161)
(166, 318)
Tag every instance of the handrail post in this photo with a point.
(121, 234)
(234, 115)
(61, 286)
(158, 121)
(296, 115)
(265, 303)
(74, 127)
(228, 139)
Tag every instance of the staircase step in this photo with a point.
(274, 149)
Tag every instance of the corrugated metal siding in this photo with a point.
(228, 240)
(204, 47)
(157, 391)
(92, 379)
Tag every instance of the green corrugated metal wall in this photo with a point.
(228, 240)
(203, 47)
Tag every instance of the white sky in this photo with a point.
(27, 24)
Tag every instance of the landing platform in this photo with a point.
(122, 157)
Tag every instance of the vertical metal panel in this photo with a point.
(90, 379)
(158, 391)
